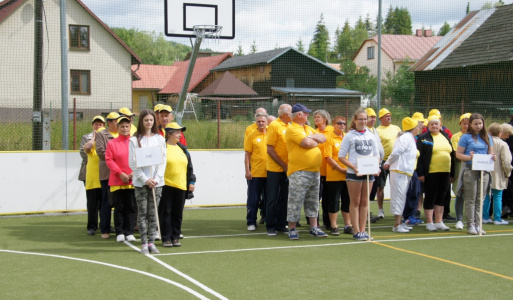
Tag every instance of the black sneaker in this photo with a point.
(167, 244)
(448, 218)
(348, 230)
(373, 219)
(271, 231)
(90, 231)
(334, 231)
(282, 230)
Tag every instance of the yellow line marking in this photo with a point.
(446, 261)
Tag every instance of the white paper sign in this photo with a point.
(148, 156)
(367, 165)
(482, 162)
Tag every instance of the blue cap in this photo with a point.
(300, 107)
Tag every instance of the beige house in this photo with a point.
(100, 76)
(396, 50)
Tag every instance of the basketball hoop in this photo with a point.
(208, 31)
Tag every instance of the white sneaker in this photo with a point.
(130, 238)
(459, 225)
(472, 230)
(251, 228)
(501, 222)
(403, 225)
(381, 214)
(431, 227)
(482, 231)
(441, 226)
(487, 221)
(120, 238)
(400, 229)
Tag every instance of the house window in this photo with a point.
(370, 52)
(81, 82)
(79, 37)
(290, 82)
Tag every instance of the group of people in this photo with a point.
(290, 165)
(115, 178)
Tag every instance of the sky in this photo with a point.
(274, 24)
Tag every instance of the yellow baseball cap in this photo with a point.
(112, 116)
(99, 118)
(409, 123)
(124, 111)
(465, 116)
(370, 112)
(166, 108)
(383, 112)
(174, 126)
(435, 112)
(122, 118)
(158, 107)
(434, 118)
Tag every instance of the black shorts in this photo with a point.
(353, 177)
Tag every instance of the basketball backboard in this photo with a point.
(182, 15)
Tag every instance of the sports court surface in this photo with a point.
(53, 257)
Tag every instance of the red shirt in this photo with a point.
(116, 158)
(182, 137)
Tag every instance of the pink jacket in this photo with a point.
(116, 158)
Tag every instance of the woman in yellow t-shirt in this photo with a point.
(435, 168)
(322, 125)
(179, 181)
(92, 179)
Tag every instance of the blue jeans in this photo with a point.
(256, 189)
(497, 205)
(277, 195)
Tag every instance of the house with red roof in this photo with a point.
(152, 78)
(200, 79)
(99, 62)
(396, 50)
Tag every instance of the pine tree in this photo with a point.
(444, 29)
(300, 46)
(253, 49)
(319, 46)
(468, 8)
(344, 40)
(239, 51)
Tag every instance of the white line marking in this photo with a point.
(113, 266)
(202, 286)
(334, 244)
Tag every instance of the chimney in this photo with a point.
(418, 32)
(428, 32)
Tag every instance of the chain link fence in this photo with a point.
(326, 47)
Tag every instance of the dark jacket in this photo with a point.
(425, 147)
(191, 178)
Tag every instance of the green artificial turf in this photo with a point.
(220, 254)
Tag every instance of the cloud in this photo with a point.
(281, 23)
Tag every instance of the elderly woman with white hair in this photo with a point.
(436, 169)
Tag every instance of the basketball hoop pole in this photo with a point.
(187, 80)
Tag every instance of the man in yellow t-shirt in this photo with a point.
(255, 161)
(277, 183)
(388, 134)
(254, 126)
(303, 171)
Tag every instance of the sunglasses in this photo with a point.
(341, 123)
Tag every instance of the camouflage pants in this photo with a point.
(303, 190)
(147, 212)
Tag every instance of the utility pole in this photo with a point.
(37, 127)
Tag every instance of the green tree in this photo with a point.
(398, 21)
(253, 49)
(357, 78)
(239, 51)
(152, 48)
(371, 27)
(490, 4)
(468, 8)
(444, 29)
(344, 39)
(399, 88)
(300, 46)
(319, 46)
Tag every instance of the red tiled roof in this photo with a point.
(399, 47)
(227, 85)
(8, 6)
(152, 76)
(202, 68)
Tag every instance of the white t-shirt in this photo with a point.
(358, 144)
